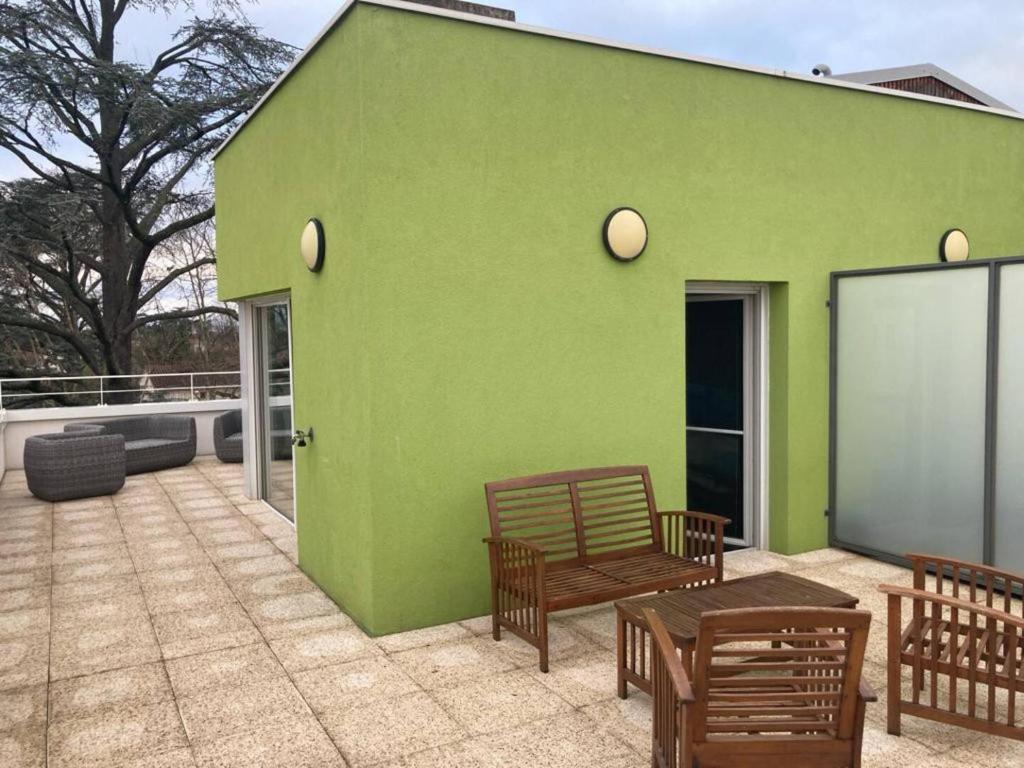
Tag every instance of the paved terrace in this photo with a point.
(168, 627)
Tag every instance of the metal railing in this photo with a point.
(57, 391)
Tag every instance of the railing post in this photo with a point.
(192, 386)
(101, 391)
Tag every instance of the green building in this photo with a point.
(469, 324)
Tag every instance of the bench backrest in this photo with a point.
(578, 515)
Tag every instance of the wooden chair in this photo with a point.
(581, 537)
(965, 636)
(769, 687)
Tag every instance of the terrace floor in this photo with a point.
(168, 626)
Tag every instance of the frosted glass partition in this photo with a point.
(910, 412)
(1008, 521)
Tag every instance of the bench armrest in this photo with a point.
(695, 515)
(494, 540)
(697, 536)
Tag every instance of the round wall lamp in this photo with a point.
(954, 246)
(625, 234)
(312, 245)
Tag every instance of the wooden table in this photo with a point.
(681, 610)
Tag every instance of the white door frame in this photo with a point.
(253, 449)
(755, 329)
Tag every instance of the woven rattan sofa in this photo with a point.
(227, 436)
(150, 442)
(74, 465)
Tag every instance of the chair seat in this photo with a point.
(148, 442)
(652, 567)
(972, 649)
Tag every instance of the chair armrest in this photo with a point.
(662, 644)
(696, 515)
(953, 602)
(866, 692)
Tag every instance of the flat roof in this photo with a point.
(601, 42)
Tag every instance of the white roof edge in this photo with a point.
(868, 76)
(834, 81)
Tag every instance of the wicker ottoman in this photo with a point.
(74, 465)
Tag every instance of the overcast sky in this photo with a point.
(981, 42)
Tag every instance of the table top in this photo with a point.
(680, 609)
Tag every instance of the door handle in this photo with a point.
(300, 438)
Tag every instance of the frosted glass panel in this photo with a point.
(1009, 466)
(910, 412)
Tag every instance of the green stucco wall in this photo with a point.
(468, 326)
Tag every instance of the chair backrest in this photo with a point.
(764, 675)
(578, 515)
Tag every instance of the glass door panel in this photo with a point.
(718, 450)
(910, 402)
(1008, 521)
(275, 407)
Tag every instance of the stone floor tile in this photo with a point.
(319, 649)
(245, 550)
(180, 577)
(207, 513)
(818, 557)
(23, 747)
(353, 683)
(33, 577)
(457, 755)
(120, 734)
(218, 712)
(444, 665)
(24, 623)
(71, 573)
(626, 719)
(224, 668)
(171, 528)
(298, 742)
(120, 608)
(193, 595)
(479, 625)
(180, 757)
(301, 605)
(87, 539)
(207, 629)
(307, 626)
(258, 588)
(241, 570)
(24, 661)
(595, 625)
(748, 561)
(23, 707)
(88, 650)
(29, 562)
(416, 638)
(21, 599)
(580, 680)
(120, 688)
(96, 554)
(386, 729)
(67, 593)
(563, 741)
(500, 701)
(564, 642)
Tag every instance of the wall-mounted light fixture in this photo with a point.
(312, 245)
(625, 234)
(954, 246)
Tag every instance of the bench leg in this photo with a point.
(542, 626)
(495, 626)
(893, 667)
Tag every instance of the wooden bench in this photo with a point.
(964, 641)
(581, 537)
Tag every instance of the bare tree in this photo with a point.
(117, 151)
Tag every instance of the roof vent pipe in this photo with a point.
(822, 70)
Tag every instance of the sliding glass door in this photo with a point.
(274, 405)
